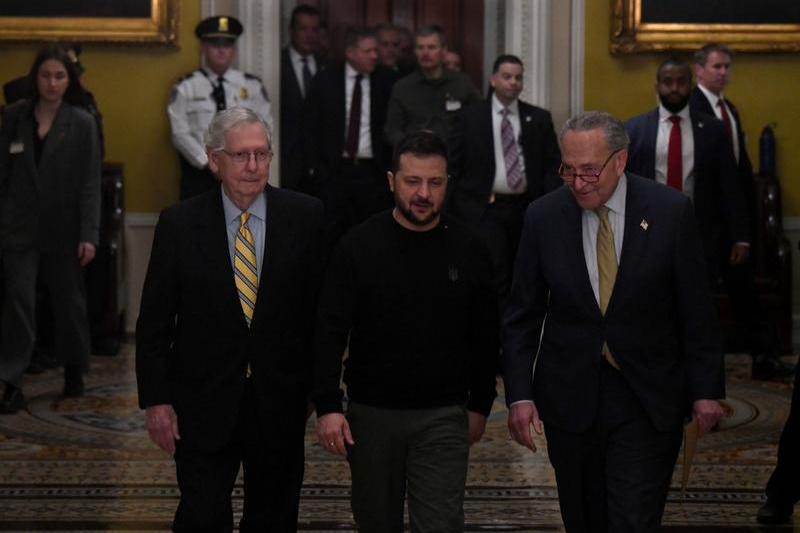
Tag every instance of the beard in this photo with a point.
(407, 213)
(674, 105)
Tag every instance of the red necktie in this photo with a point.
(726, 118)
(354, 123)
(675, 155)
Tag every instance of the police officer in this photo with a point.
(214, 87)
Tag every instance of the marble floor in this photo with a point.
(87, 465)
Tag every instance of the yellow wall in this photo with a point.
(131, 85)
(764, 88)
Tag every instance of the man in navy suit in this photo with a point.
(223, 336)
(710, 178)
(610, 334)
(499, 174)
(345, 145)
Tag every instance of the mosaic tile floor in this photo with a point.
(87, 465)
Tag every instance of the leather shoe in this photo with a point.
(773, 512)
(769, 368)
(73, 382)
(13, 400)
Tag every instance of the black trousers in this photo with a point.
(195, 181)
(500, 228)
(273, 475)
(615, 476)
(784, 483)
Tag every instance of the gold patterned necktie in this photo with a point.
(244, 268)
(606, 268)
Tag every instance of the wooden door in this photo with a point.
(462, 21)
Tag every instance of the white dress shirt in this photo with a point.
(500, 184)
(687, 148)
(364, 137)
(713, 99)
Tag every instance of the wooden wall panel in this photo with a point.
(462, 21)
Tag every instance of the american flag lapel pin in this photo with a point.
(644, 225)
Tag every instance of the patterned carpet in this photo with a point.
(87, 465)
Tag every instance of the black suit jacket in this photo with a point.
(476, 163)
(192, 341)
(660, 323)
(325, 110)
(293, 169)
(718, 198)
(699, 103)
(55, 205)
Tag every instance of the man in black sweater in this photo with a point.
(413, 291)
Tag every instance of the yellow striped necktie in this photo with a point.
(244, 267)
(606, 268)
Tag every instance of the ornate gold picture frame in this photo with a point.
(757, 26)
(152, 22)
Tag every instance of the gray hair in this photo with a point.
(229, 119)
(613, 130)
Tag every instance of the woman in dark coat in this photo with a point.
(49, 221)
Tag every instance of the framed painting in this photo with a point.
(110, 21)
(685, 25)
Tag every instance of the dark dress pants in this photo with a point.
(62, 275)
(273, 474)
(500, 228)
(784, 484)
(615, 476)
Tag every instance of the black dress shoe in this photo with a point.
(773, 512)
(13, 400)
(73, 382)
(769, 368)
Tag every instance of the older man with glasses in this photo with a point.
(613, 264)
(223, 337)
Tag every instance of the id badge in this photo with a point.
(16, 147)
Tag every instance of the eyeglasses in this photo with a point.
(241, 158)
(588, 175)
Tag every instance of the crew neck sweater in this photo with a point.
(420, 313)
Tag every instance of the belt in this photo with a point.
(498, 198)
(355, 161)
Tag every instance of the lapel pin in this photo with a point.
(527, 118)
(644, 225)
(699, 124)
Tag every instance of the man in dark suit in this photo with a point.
(222, 340)
(299, 64)
(712, 66)
(614, 264)
(346, 147)
(508, 156)
(707, 174)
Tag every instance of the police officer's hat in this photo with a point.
(219, 29)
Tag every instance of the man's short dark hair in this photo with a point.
(506, 58)
(673, 61)
(701, 56)
(432, 29)
(353, 36)
(421, 143)
(302, 9)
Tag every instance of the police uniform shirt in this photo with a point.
(192, 106)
